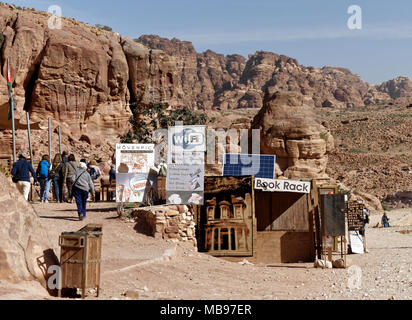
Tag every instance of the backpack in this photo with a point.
(43, 171)
(55, 172)
(93, 173)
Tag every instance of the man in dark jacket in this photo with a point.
(21, 175)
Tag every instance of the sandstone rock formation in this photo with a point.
(210, 80)
(25, 252)
(289, 131)
(200, 75)
(79, 75)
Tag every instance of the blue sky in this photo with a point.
(314, 32)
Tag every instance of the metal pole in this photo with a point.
(50, 139)
(29, 137)
(60, 141)
(13, 129)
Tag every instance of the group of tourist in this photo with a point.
(70, 179)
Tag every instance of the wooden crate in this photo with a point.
(80, 258)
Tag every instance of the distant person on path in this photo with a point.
(385, 220)
(43, 170)
(112, 178)
(21, 175)
(112, 173)
(56, 176)
(69, 170)
(94, 170)
(83, 184)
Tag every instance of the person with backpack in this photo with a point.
(69, 171)
(56, 176)
(82, 185)
(94, 170)
(21, 175)
(42, 171)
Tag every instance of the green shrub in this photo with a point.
(157, 116)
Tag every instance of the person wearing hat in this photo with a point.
(21, 175)
(94, 170)
(82, 185)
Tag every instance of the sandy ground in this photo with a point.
(155, 269)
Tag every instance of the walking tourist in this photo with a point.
(43, 170)
(82, 185)
(21, 175)
(56, 176)
(69, 170)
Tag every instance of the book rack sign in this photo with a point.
(133, 172)
(186, 165)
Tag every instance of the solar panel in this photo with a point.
(258, 165)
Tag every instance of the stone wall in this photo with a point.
(167, 222)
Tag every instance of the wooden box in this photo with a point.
(80, 258)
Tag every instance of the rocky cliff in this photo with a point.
(210, 80)
(89, 80)
(79, 75)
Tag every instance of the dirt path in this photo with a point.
(158, 269)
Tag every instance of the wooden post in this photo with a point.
(84, 267)
(50, 157)
(60, 142)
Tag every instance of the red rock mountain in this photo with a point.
(88, 79)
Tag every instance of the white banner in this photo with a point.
(133, 178)
(272, 185)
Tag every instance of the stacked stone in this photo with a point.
(168, 222)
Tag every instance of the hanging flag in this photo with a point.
(10, 87)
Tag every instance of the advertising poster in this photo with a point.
(134, 180)
(186, 165)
